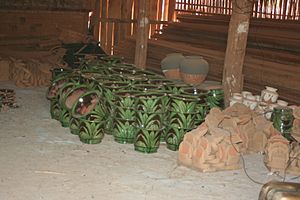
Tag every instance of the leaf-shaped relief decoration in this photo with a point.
(126, 114)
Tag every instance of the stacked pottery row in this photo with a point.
(262, 104)
(135, 106)
(270, 106)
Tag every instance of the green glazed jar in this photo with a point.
(89, 117)
(124, 129)
(183, 115)
(109, 88)
(64, 116)
(215, 98)
(282, 118)
(57, 72)
(148, 121)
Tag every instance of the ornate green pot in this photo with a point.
(147, 140)
(124, 129)
(282, 118)
(65, 117)
(109, 87)
(89, 104)
(74, 125)
(149, 121)
(112, 59)
(53, 89)
(183, 115)
(91, 131)
(69, 97)
(215, 98)
(89, 114)
(57, 72)
(54, 109)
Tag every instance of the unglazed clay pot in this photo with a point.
(250, 102)
(193, 69)
(170, 65)
(246, 93)
(269, 95)
(282, 103)
(236, 98)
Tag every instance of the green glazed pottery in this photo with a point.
(215, 98)
(91, 131)
(149, 121)
(124, 129)
(183, 112)
(282, 118)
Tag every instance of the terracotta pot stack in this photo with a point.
(7, 99)
(30, 73)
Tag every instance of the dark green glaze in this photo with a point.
(55, 109)
(215, 98)
(149, 121)
(74, 126)
(147, 141)
(183, 116)
(282, 119)
(64, 117)
(124, 131)
(91, 132)
(124, 126)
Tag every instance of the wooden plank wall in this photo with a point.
(70, 5)
(118, 20)
(29, 20)
(40, 23)
(275, 9)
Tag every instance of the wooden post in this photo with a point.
(172, 4)
(142, 34)
(236, 47)
(95, 22)
(103, 40)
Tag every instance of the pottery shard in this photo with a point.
(296, 126)
(185, 153)
(277, 155)
(214, 117)
(261, 123)
(294, 161)
(238, 109)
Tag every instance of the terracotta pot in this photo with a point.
(170, 65)
(193, 69)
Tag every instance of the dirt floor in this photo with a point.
(39, 159)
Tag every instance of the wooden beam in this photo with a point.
(172, 4)
(236, 47)
(142, 34)
(103, 39)
(95, 20)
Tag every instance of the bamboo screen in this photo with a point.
(273, 9)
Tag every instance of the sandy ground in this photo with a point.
(39, 159)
